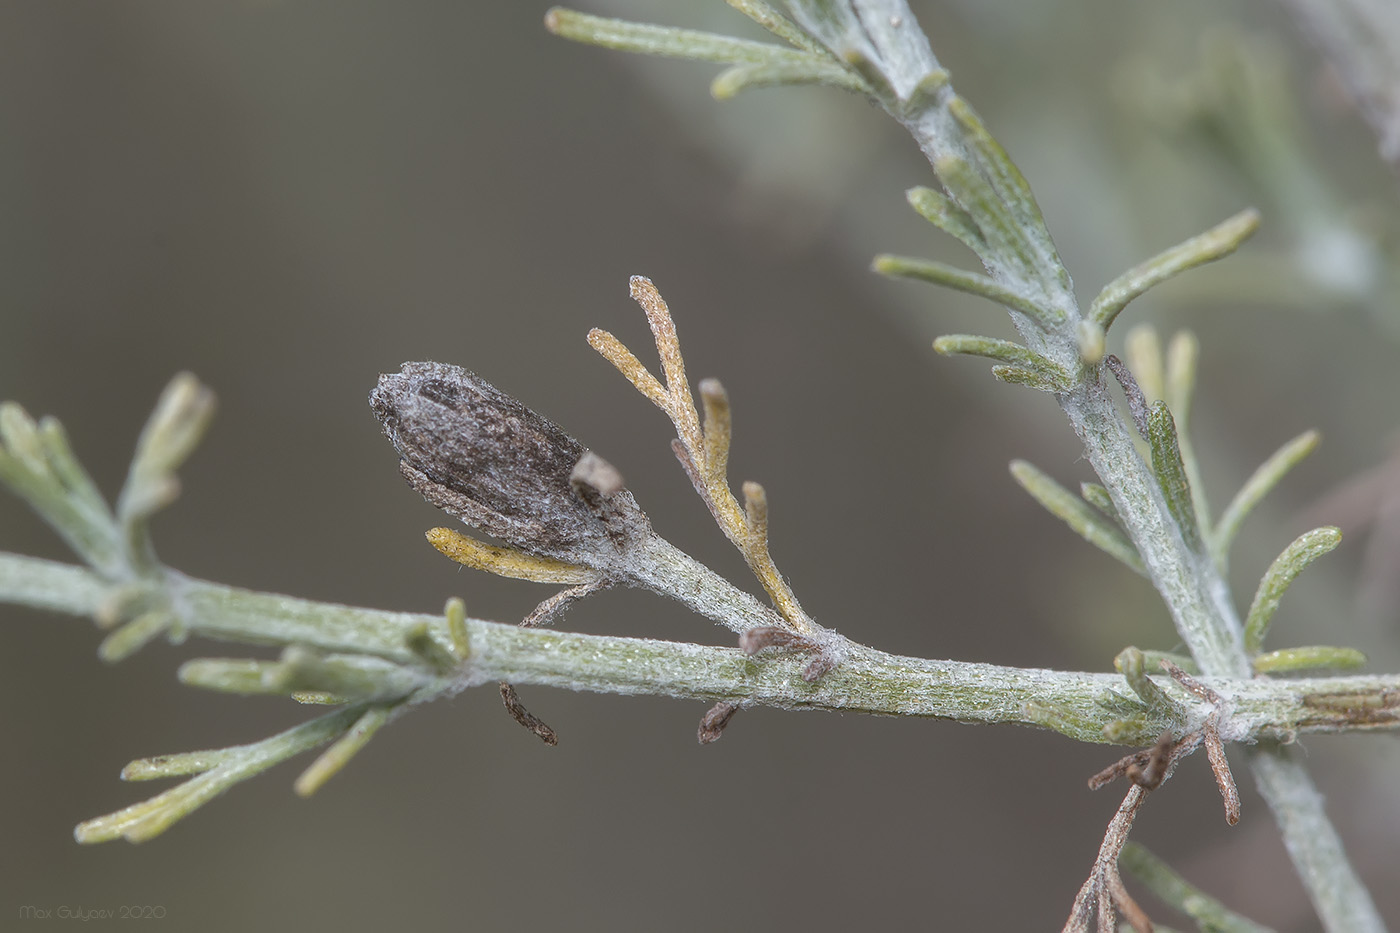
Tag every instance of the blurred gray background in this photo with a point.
(288, 198)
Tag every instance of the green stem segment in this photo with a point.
(866, 681)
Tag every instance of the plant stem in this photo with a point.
(894, 55)
(1197, 598)
(1340, 898)
(868, 681)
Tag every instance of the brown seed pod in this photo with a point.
(480, 455)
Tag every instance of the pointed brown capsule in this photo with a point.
(480, 455)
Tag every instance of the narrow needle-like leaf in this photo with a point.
(364, 678)
(20, 436)
(1171, 472)
(1015, 375)
(1179, 893)
(64, 463)
(181, 416)
(1009, 248)
(964, 281)
(1098, 497)
(1255, 488)
(150, 818)
(429, 651)
(1217, 242)
(318, 698)
(941, 211)
(1307, 548)
(340, 753)
(1065, 505)
(36, 462)
(1183, 352)
(1143, 348)
(178, 765)
(1178, 388)
(812, 70)
(666, 41)
(778, 24)
(134, 635)
(1012, 354)
(1308, 657)
(1012, 189)
(1132, 664)
(228, 675)
(1154, 659)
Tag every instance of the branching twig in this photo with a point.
(1103, 893)
(703, 450)
(565, 517)
(871, 681)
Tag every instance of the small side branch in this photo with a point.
(1103, 893)
(703, 447)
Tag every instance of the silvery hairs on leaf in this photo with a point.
(480, 455)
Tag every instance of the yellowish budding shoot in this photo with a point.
(641, 378)
(928, 87)
(668, 347)
(1124, 731)
(702, 450)
(756, 513)
(717, 430)
(505, 562)
(1132, 664)
(1091, 342)
(455, 612)
(134, 635)
(119, 604)
(755, 550)
(20, 434)
(1182, 353)
(1143, 348)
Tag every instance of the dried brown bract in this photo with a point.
(480, 455)
(526, 718)
(1159, 757)
(715, 719)
(771, 636)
